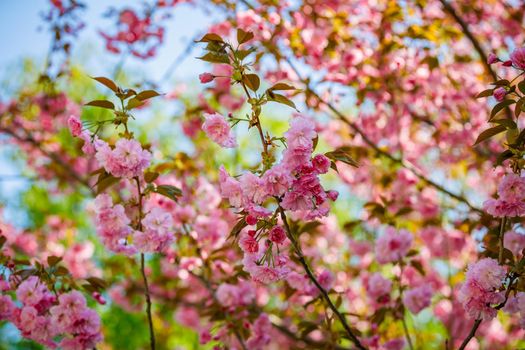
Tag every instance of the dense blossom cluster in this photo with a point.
(138, 33)
(44, 316)
(480, 291)
(221, 247)
(393, 245)
(294, 180)
(511, 192)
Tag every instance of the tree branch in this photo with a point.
(314, 280)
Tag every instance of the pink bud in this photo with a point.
(507, 63)
(251, 220)
(492, 58)
(277, 235)
(499, 93)
(332, 195)
(206, 77)
(75, 125)
(99, 298)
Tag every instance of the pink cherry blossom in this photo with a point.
(218, 129)
(499, 94)
(392, 245)
(277, 235)
(75, 125)
(31, 291)
(378, 286)
(416, 299)
(518, 58)
(515, 242)
(126, 160)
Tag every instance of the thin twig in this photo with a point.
(471, 334)
(210, 289)
(402, 162)
(52, 156)
(501, 239)
(314, 280)
(143, 271)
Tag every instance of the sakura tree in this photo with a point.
(342, 175)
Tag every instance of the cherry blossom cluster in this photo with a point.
(293, 182)
(138, 33)
(511, 196)
(43, 315)
(480, 291)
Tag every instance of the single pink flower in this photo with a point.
(518, 58)
(75, 125)
(218, 129)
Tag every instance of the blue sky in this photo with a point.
(25, 35)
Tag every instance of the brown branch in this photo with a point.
(52, 156)
(314, 280)
(477, 46)
(464, 26)
(471, 334)
(402, 162)
(501, 239)
(210, 289)
(143, 272)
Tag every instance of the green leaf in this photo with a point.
(485, 93)
(242, 54)
(210, 37)
(497, 108)
(315, 141)
(169, 191)
(133, 103)
(309, 227)
(307, 327)
(333, 165)
(107, 82)
(379, 316)
(22, 262)
(418, 266)
(501, 82)
(282, 86)
(280, 99)
(512, 135)
(252, 81)
(147, 94)
(238, 227)
(519, 107)
(104, 181)
(97, 283)
(521, 86)
(61, 271)
(243, 36)
(127, 93)
(508, 123)
(503, 156)
(53, 260)
(487, 134)
(412, 252)
(215, 57)
(151, 176)
(101, 104)
(342, 154)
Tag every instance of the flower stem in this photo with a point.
(501, 239)
(148, 302)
